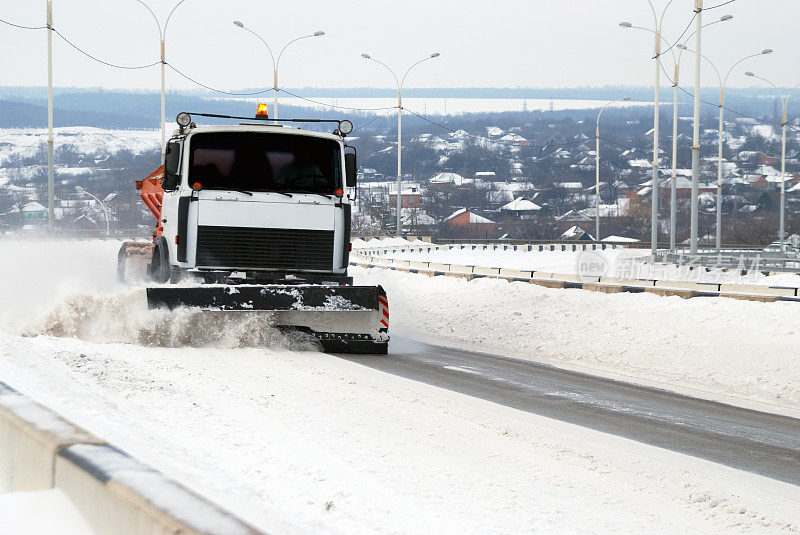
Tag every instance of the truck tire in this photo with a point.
(159, 267)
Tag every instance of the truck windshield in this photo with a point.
(249, 161)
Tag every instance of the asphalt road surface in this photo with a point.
(758, 442)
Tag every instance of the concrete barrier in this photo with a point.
(541, 275)
(548, 283)
(758, 289)
(627, 282)
(30, 437)
(480, 270)
(603, 288)
(114, 492)
(117, 494)
(686, 285)
(569, 277)
(460, 269)
(459, 275)
(750, 297)
(669, 292)
(439, 267)
(515, 273)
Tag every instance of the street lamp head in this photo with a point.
(766, 51)
(723, 18)
(435, 55)
(749, 73)
(366, 56)
(238, 23)
(626, 98)
(79, 189)
(625, 25)
(681, 46)
(319, 34)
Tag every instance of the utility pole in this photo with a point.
(696, 130)
(51, 212)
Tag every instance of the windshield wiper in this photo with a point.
(282, 193)
(244, 191)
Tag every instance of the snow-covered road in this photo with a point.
(300, 441)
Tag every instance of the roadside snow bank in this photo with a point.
(724, 346)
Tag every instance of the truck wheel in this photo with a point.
(159, 266)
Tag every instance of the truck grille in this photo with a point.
(264, 248)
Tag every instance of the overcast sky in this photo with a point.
(500, 43)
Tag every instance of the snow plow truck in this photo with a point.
(257, 217)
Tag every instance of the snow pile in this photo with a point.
(69, 290)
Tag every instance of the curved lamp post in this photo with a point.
(723, 82)
(276, 62)
(784, 104)
(597, 168)
(82, 191)
(400, 82)
(162, 33)
(658, 22)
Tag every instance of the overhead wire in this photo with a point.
(22, 26)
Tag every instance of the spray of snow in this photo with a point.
(69, 290)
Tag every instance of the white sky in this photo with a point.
(502, 43)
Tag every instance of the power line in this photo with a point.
(127, 67)
(679, 38)
(774, 123)
(371, 121)
(719, 5)
(254, 93)
(23, 27)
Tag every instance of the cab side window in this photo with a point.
(172, 166)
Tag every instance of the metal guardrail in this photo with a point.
(742, 260)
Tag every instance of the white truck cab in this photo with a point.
(266, 201)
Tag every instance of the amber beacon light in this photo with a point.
(262, 112)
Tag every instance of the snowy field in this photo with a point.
(15, 142)
(617, 264)
(297, 441)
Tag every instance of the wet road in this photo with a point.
(758, 442)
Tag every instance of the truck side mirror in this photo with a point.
(350, 168)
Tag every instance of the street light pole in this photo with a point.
(723, 82)
(51, 211)
(597, 168)
(658, 22)
(162, 34)
(784, 104)
(102, 205)
(677, 63)
(276, 62)
(400, 82)
(696, 129)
